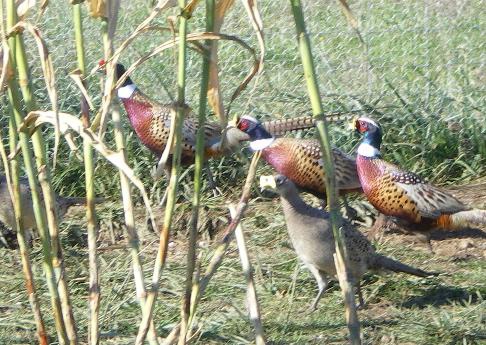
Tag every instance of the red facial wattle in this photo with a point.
(243, 125)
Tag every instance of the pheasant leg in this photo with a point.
(211, 182)
(321, 283)
(361, 302)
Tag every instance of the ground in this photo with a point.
(400, 309)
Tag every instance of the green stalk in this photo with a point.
(332, 198)
(92, 227)
(133, 239)
(21, 232)
(199, 162)
(39, 213)
(16, 201)
(172, 194)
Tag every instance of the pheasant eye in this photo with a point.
(362, 126)
(243, 125)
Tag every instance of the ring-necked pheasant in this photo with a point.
(301, 159)
(404, 195)
(312, 238)
(151, 122)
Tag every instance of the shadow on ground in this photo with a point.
(442, 295)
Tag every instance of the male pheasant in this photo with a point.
(420, 206)
(301, 159)
(151, 122)
(313, 241)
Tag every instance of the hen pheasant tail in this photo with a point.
(384, 262)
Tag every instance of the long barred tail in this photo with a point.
(462, 219)
(384, 262)
(282, 126)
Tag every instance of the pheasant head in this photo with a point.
(371, 131)
(260, 138)
(127, 87)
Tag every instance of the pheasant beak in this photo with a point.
(352, 124)
(233, 122)
(267, 182)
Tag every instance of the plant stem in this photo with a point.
(13, 181)
(332, 198)
(172, 193)
(133, 239)
(218, 254)
(251, 295)
(92, 226)
(199, 162)
(17, 53)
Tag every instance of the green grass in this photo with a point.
(421, 76)
(448, 309)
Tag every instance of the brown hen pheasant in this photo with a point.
(311, 235)
(300, 160)
(404, 195)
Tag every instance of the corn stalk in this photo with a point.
(12, 177)
(251, 294)
(18, 64)
(181, 111)
(199, 163)
(108, 31)
(341, 259)
(92, 227)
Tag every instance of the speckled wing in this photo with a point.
(431, 201)
(403, 194)
(160, 129)
(345, 165)
(301, 161)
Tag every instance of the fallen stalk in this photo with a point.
(218, 255)
(251, 294)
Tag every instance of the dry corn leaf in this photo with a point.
(77, 76)
(69, 123)
(352, 21)
(48, 72)
(23, 7)
(97, 8)
(257, 23)
(5, 71)
(215, 98)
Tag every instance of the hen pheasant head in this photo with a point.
(277, 183)
(371, 131)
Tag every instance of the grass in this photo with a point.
(401, 309)
(432, 58)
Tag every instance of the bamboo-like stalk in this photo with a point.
(172, 194)
(133, 239)
(12, 176)
(92, 227)
(218, 254)
(39, 211)
(332, 198)
(251, 294)
(199, 163)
